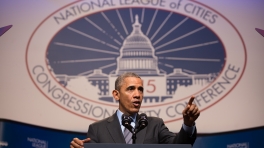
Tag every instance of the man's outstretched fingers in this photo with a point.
(78, 141)
(86, 140)
(184, 112)
(74, 144)
(191, 100)
(191, 110)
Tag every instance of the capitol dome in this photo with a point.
(137, 38)
(137, 54)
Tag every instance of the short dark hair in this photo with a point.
(120, 79)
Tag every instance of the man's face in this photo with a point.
(130, 95)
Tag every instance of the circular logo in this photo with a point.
(178, 48)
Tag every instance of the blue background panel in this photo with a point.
(20, 135)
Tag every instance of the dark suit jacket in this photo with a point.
(109, 131)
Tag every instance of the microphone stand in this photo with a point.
(134, 131)
(143, 122)
(134, 137)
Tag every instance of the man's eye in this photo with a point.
(131, 88)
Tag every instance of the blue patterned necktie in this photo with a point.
(128, 136)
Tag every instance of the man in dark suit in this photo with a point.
(129, 92)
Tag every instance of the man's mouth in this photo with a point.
(136, 103)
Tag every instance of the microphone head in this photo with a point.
(126, 120)
(143, 120)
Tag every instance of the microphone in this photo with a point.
(142, 122)
(126, 122)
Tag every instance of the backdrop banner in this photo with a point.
(60, 59)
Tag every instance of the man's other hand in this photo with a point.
(77, 143)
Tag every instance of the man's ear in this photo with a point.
(115, 94)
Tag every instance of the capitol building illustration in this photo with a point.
(138, 55)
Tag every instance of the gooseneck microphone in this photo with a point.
(126, 122)
(142, 122)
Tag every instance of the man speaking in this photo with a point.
(127, 126)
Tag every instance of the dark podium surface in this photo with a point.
(114, 145)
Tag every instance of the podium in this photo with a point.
(119, 145)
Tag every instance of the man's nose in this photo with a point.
(137, 94)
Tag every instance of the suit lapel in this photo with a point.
(114, 129)
(141, 136)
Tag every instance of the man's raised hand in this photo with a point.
(190, 113)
